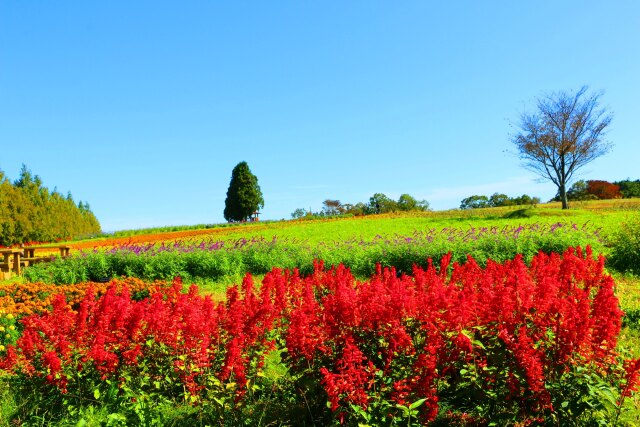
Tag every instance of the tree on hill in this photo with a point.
(299, 213)
(407, 202)
(380, 203)
(474, 202)
(603, 189)
(497, 200)
(525, 199)
(578, 191)
(564, 134)
(629, 188)
(592, 190)
(332, 207)
(244, 196)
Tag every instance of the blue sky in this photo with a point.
(143, 108)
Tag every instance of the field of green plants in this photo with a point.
(492, 317)
(358, 243)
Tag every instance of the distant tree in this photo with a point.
(27, 180)
(407, 202)
(629, 188)
(603, 189)
(243, 196)
(578, 191)
(474, 202)
(380, 203)
(332, 207)
(525, 199)
(299, 213)
(422, 205)
(497, 200)
(565, 134)
(358, 209)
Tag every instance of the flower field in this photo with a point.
(451, 344)
(28, 298)
(212, 260)
(510, 324)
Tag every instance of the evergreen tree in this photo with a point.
(243, 196)
(29, 212)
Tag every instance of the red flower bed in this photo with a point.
(505, 342)
(506, 332)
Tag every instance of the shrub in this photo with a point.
(625, 246)
(603, 189)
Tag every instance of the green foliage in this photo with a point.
(380, 203)
(579, 191)
(631, 319)
(29, 212)
(299, 213)
(408, 203)
(9, 331)
(474, 202)
(361, 256)
(497, 200)
(629, 188)
(244, 196)
(625, 242)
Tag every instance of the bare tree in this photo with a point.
(564, 135)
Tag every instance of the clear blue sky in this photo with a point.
(142, 108)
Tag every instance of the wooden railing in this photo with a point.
(14, 260)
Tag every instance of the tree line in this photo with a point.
(29, 212)
(602, 190)
(497, 200)
(580, 190)
(377, 204)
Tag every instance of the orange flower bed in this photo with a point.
(153, 237)
(22, 299)
(184, 234)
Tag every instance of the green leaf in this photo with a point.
(96, 393)
(405, 410)
(477, 343)
(417, 403)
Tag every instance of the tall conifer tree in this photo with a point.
(243, 196)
